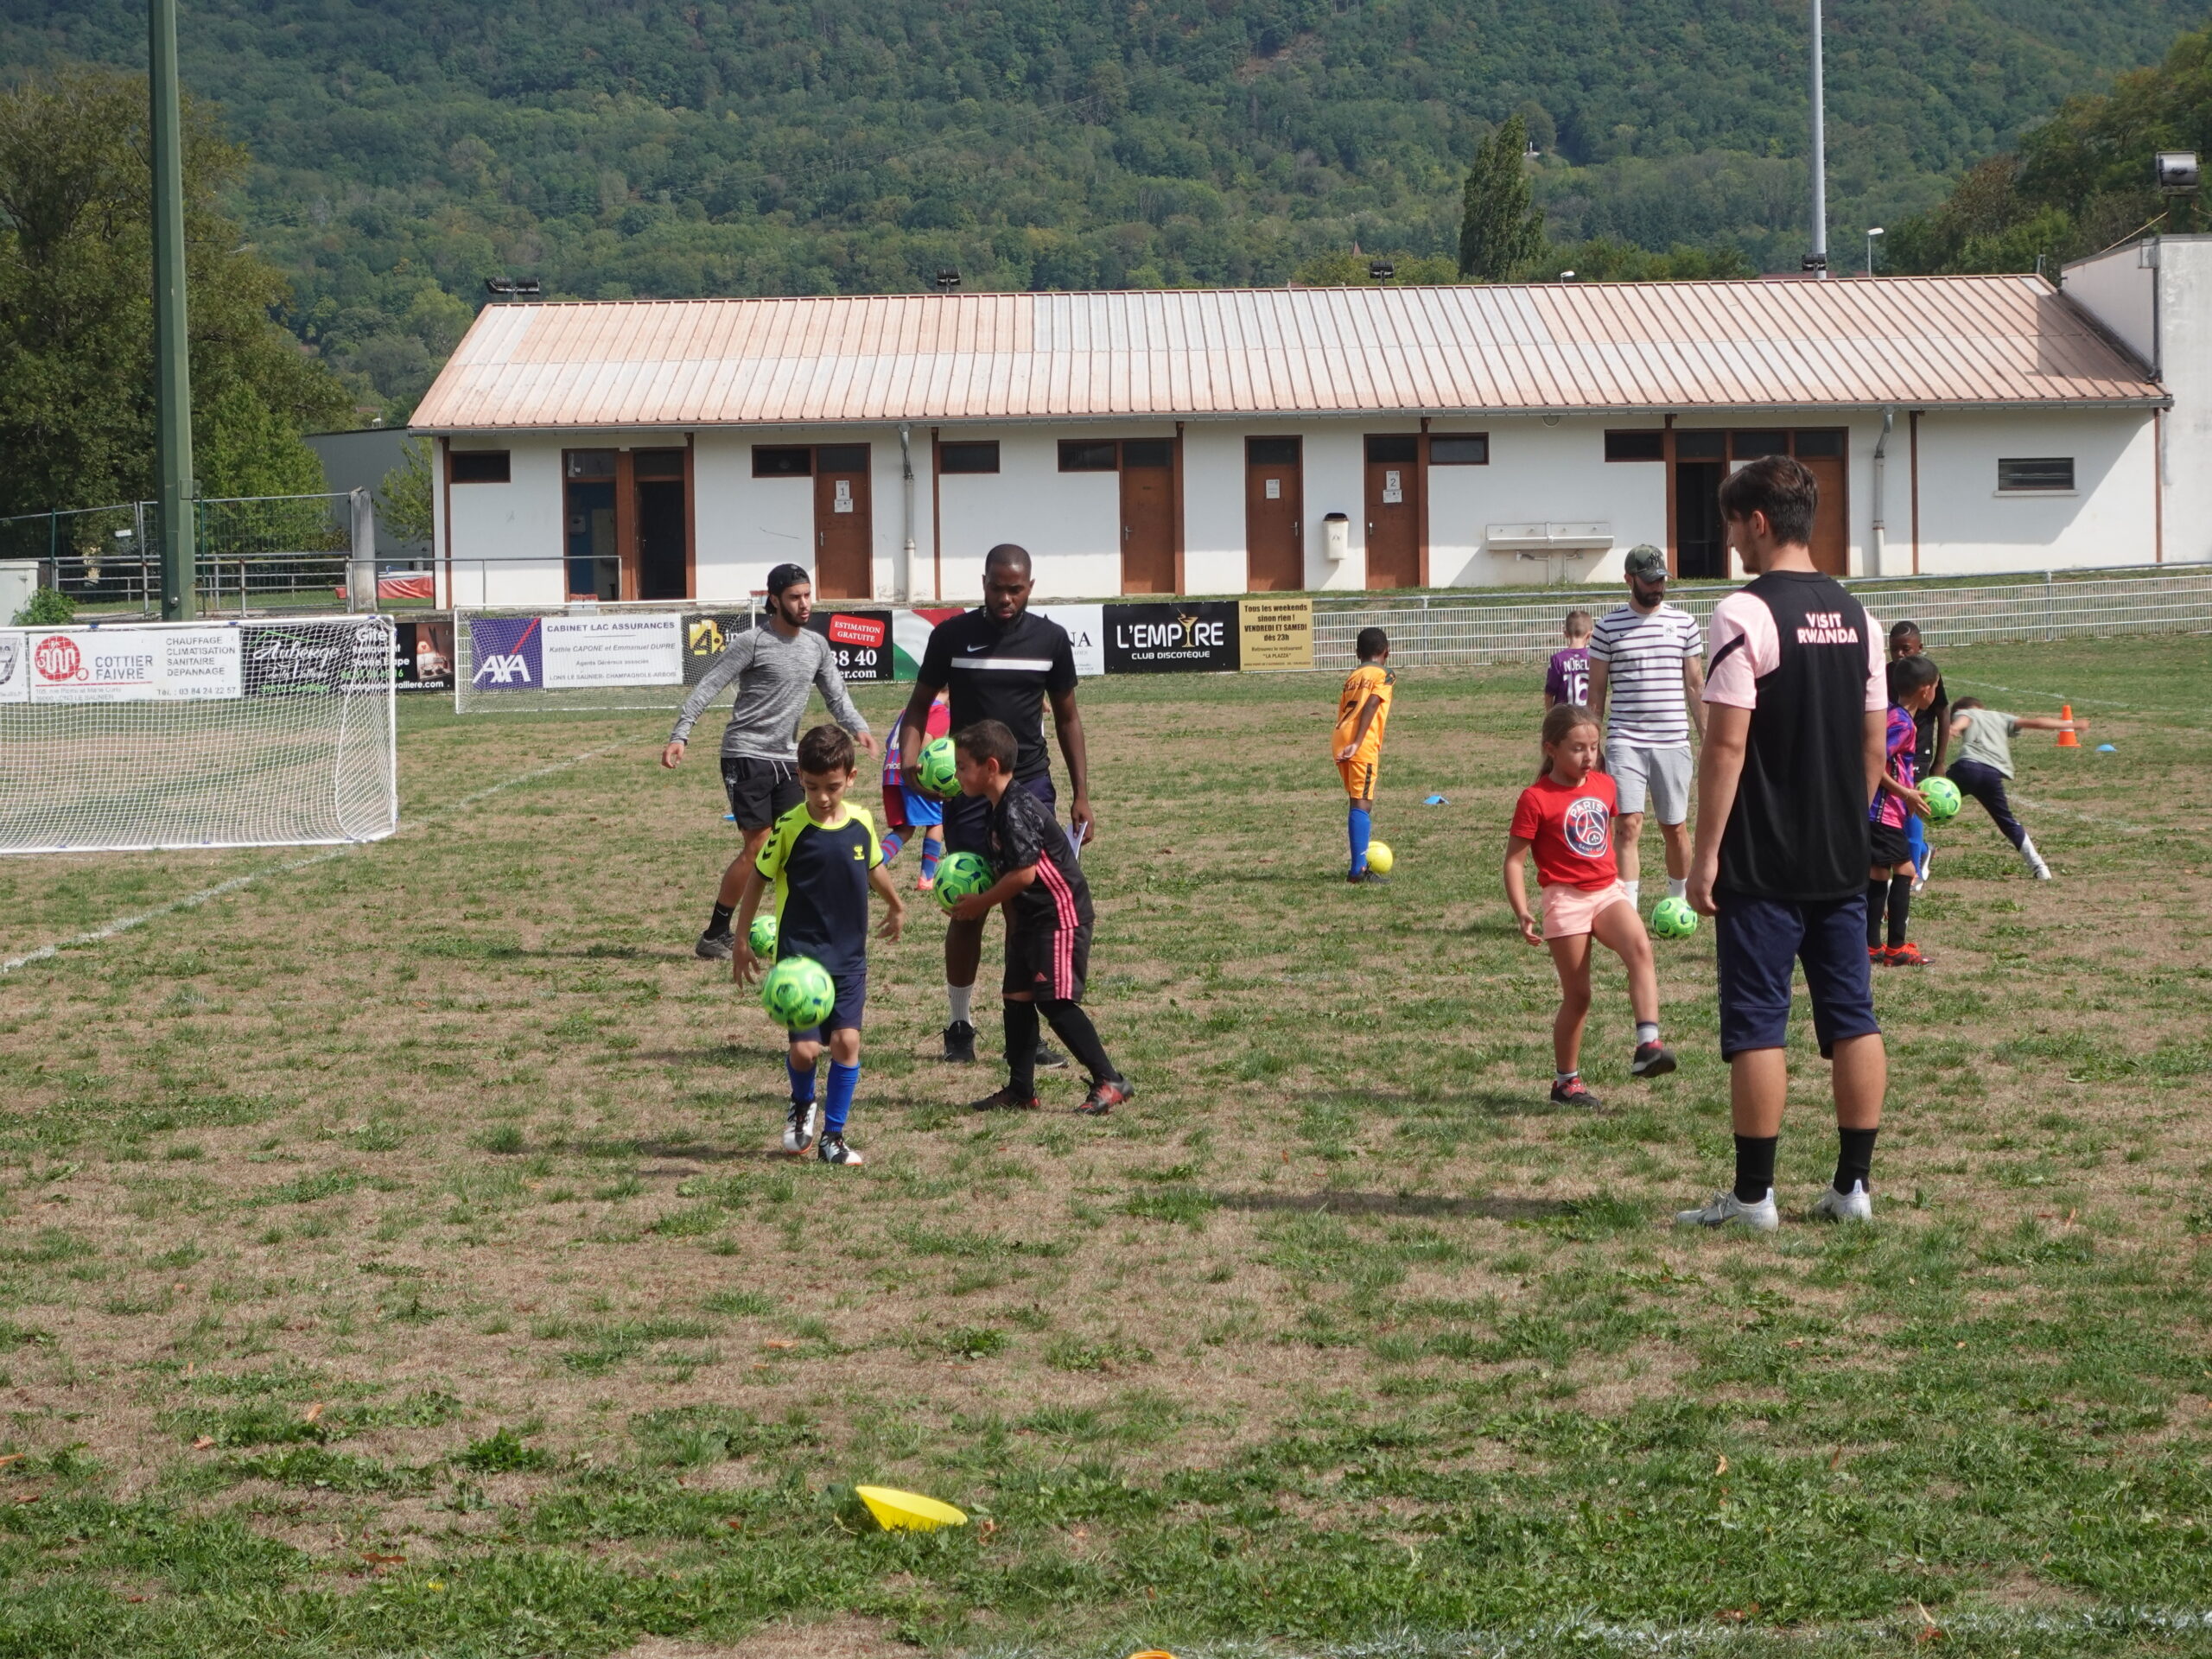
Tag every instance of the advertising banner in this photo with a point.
(14, 667)
(1086, 626)
(1173, 637)
(1277, 633)
(707, 634)
(613, 649)
(423, 655)
(133, 666)
(314, 658)
(860, 641)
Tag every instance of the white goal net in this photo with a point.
(139, 737)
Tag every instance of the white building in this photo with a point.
(1203, 441)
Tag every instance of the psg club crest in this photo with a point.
(1586, 826)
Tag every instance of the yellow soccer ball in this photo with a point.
(1380, 857)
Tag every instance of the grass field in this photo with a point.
(393, 1259)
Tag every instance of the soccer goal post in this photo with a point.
(144, 737)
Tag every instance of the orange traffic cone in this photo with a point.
(2066, 740)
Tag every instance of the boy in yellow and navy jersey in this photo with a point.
(821, 858)
(1362, 713)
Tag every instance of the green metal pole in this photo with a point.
(172, 356)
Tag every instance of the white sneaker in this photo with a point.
(1726, 1207)
(799, 1125)
(2033, 860)
(1927, 863)
(1854, 1205)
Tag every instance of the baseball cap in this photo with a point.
(1645, 563)
(785, 575)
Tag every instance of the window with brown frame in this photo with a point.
(477, 466)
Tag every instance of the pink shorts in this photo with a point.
(1569, 911)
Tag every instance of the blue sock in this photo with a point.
(843, 1081)
(931, 850)
(802, 1082)
(1361, 826)
(891, 843)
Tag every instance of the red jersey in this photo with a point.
(1570, 831)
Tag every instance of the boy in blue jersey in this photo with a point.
(822, 857)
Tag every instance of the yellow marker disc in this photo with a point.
(898, 1511)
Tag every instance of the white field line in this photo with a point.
(194, 901)
(2183, 715)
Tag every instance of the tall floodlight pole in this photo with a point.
(172, 357)
(1818, 259)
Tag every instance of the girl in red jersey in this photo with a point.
(1565, 817)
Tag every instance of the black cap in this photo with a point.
(783, 575)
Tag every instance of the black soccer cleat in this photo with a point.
(1571, 1093)
(1652, 1060)
(960, 1043)
(1004, 1100)
(716, 947)
(1050, 1058)
(1105, 1096)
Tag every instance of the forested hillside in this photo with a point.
(404, 149)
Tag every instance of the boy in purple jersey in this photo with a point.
(1568, 678)
(1897, 801)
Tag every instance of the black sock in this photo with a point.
(1072, 1025)
(719, 922)
(1854, 1158)
(1877, 894)
(1754, 1166)
(1900, 906)
(1021, 1049)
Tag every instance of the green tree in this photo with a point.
(403, 499)
(1500, 232)
(76, 323)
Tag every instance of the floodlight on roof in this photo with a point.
(2178, 172)
(527, 288)
(1381, 270)
(948, 278)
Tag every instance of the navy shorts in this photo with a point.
(1755, 943)
(968, 817)
(845, 1013)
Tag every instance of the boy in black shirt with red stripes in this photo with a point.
(1048, 924)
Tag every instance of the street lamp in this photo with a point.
(1870, 235)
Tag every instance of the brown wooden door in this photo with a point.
(844, 538)
(1394, 509)
(1831, 524)
(1147, 515)
(1275, 516)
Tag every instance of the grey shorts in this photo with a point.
(1662, 775)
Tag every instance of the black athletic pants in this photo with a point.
(1987, 785)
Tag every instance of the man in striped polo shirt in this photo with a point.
(1647, 684)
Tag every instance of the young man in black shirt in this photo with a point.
(1048, 916)
(1797, 704)
(998, 662)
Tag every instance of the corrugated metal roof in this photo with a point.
(1923, 341)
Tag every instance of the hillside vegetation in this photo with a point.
(405, 148)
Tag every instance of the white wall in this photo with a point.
(506, 538)
(2185, 366)
(1967, 527)
(1070, 522)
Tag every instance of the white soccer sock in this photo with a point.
(1634, 891)
(962, 997)
(1647, 1031)
(1678, 888)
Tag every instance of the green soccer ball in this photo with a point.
(935, 772)
(1673, 918)
(1944, 799)
(798, 993)
(761, 937)
(960, 875)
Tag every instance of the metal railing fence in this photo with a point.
(253, 555)
(1448, 631)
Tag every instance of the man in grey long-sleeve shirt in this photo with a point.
(774, 668)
